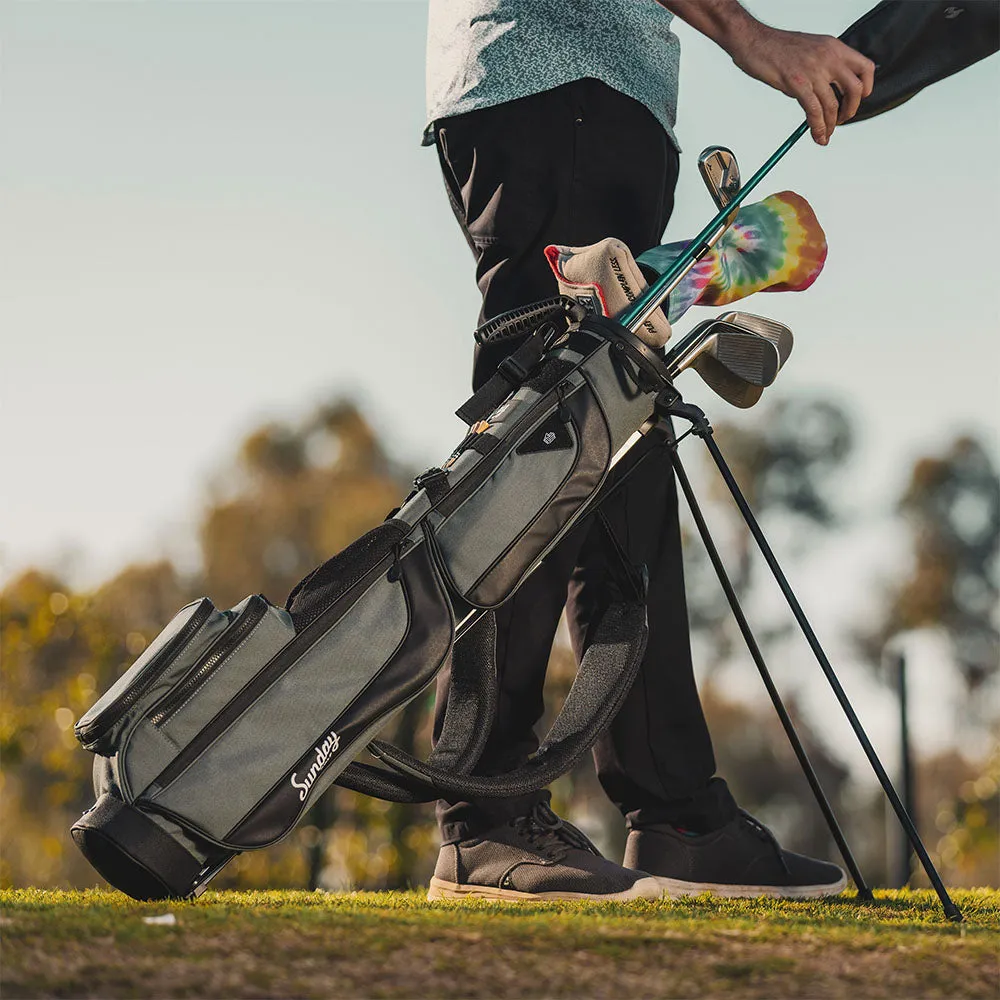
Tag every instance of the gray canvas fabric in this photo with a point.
(485, 52)
(624, 406)
(272, 632)
(177, 668)
(495, 515)
(302, 701)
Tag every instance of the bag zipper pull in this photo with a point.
(395, 571)
(563, 411)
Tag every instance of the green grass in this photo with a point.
(300, 944)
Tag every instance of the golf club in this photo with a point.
(733, 389)
(779, 334)
(721, 174)
(749, 356)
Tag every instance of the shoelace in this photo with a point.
(549, 834)
(765, 834)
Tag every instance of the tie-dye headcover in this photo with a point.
(775, 245)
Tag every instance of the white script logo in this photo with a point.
(324, 752)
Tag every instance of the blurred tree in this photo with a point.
(964, 811)
(784, 464)
(952, 503)
(58, 651)
(293, 497)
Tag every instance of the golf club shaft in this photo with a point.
(645, 304)
(951, 911)
(864, 892)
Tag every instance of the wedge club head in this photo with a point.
(721, 174)
(750, 357)
(724, 383)
(734, 368)
(779, 334)
(747, 355)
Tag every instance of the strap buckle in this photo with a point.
(434, 481)
(512, 370)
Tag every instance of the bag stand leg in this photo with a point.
(671, 404)
(864, 892)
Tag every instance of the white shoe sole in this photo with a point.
(644, 888)
(674, 888)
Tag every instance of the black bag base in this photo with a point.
(132, 853)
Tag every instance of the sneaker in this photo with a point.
(742, 859)
(536, 856)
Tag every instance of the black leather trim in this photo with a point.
(412, 667)
(649, 361)
(134, 854)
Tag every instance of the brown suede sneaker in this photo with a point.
(537, 856)
(743, 859)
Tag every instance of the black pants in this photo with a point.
(572, 166)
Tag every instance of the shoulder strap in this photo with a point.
(606, 675)
(513, 370)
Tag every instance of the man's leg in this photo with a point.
(573, 166)
(656, 761)
(565, 166)
(570, 166)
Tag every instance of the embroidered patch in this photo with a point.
(553, 435)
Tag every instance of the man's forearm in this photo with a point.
(813, 69)
(727, 22)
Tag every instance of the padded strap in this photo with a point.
(513, 370)
(472, 699)
(603, 681)
(380, 783)
(468, 720)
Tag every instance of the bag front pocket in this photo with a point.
(167, 658)
(490, 542)
(312, 704)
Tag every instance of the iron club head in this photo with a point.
(724, 383)
(747, 355)
(721, 174)
(736, 355)
(779, 334)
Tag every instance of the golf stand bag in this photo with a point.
(231, 724)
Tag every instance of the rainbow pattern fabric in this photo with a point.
(775, 245)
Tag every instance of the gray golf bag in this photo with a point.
(231, 723)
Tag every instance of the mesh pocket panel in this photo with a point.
(316, 592)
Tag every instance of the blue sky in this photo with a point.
(217, 213)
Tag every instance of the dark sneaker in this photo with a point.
(537, 856)
(743, 859)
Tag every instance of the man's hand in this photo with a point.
(805, 67)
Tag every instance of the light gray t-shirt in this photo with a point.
(486, 52)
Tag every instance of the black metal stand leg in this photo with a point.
(951, 911)
(864, 892)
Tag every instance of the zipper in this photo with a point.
(263, 679)
(225, 645)
(100, 726)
